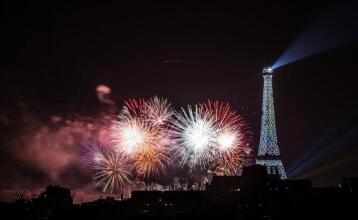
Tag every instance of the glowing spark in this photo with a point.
(133, 135)
(195, 135)
(226, 140)
(199, 134)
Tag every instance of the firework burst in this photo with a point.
(132, 135)
(142, 133)
(159, 111)
(222, 114)
(227, 140)
(112, 172)
(134, 108)
(210, 134)
(92, 152)
(195, 134)
(148, 135)
(151, 162)
(232, 137)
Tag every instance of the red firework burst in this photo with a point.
(232, 136)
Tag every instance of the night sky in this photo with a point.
(54, 56)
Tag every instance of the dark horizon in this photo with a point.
(254, 195)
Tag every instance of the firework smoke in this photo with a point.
(103, 94)
(46, 148)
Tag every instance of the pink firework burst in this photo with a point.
(232, 137)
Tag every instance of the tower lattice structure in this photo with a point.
(268, 153)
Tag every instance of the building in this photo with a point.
(268, 153)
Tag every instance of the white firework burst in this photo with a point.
(195, 135)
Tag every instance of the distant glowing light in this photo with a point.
(227, 140)
(103, 89)
(98, 157)
(268, 69)
(199, 134)
(103, 94)
(132, 136)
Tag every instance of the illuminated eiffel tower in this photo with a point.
(268, 153)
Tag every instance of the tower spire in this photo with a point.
(268, 153)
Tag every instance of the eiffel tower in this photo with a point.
(268, 153)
